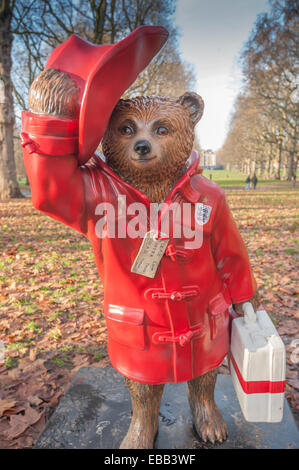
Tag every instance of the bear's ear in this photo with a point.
(194, 103)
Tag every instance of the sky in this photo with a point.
(212, 33)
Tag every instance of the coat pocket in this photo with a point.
(126, 326)
(218, 314)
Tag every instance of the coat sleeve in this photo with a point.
(231, 256)
(51, 162)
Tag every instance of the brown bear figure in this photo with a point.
(147, 144)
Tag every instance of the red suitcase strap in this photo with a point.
(257, 386)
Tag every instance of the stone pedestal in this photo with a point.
(96, 410)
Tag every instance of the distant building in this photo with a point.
(208, 158)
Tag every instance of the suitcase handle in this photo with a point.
(258, 333)
(249, 314)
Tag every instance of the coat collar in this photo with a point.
(183, 185)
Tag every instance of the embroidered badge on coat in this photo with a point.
(202, 213)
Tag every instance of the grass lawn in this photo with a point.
(234, 178)
(225, 179)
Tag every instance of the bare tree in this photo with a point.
(8, 181)
(166, 75)
(244, 145)
(100, 21)
(264, 127)
(270, 65)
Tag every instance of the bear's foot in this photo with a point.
(209, 423)
(145, 419)
(207, 418)
(139, 436)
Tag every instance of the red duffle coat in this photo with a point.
(174, 327)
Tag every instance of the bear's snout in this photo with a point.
(142, 147)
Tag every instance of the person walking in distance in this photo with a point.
(247, 182)
(254, 181)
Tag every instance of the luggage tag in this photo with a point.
(150, 254)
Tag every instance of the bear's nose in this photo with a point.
(142, 147)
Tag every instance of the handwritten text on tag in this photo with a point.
(149, 255)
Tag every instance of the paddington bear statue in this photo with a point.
(167, 295)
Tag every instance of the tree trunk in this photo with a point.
(99, 12)
(284, 171)
(290, 166)
(272, 169)
(9, 187)
(278, 163)
(291, 159)
(295, 165)
(253, 166)
(268, 164)
(246, 168)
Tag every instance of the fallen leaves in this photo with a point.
(30, 393)
(294, 383)
(51, 318)
(6, 404)
(20, 422)
(272, 242)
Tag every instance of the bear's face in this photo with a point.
(149, 139)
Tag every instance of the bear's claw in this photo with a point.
(209, 423)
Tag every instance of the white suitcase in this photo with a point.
(257, 363)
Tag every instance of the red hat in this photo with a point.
(103, 73)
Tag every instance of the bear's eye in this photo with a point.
(126, 130)
(162, 130)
